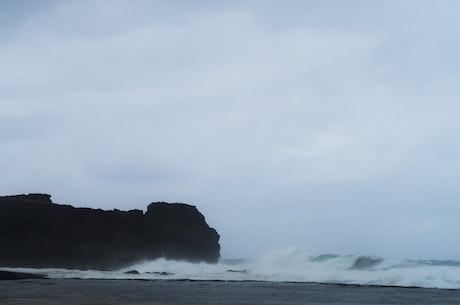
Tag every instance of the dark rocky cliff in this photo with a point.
(34, 232)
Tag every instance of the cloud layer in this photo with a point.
(323, 125)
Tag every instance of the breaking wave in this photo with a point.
(291, 265)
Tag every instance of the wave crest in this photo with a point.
(290, 265)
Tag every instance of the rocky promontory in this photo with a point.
(35, 232)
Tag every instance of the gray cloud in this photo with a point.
(323, 125)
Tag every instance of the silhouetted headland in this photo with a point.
(35, 232)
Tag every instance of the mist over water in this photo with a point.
(290, 265)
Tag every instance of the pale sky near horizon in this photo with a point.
(326, 125)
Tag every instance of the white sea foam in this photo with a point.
(293, 265)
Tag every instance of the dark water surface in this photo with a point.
(127, 292)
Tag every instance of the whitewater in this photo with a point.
(291, 265)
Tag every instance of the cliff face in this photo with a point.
(34, 232)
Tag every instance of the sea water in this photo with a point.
(291, 265)
(180, 292)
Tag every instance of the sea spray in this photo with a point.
(289, 265)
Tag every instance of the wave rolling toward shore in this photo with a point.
(291, 265)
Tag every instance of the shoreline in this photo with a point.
(190, 292)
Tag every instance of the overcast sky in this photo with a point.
(328, 125)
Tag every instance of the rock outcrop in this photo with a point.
(8, 276)
(35, 232)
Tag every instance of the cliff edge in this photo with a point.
(35, 232)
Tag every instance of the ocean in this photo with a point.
(290, 276)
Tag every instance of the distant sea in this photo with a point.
(285, 277)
